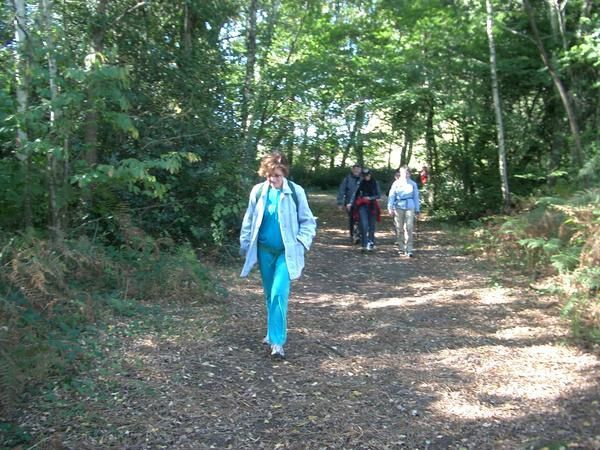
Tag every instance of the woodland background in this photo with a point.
(130, 132)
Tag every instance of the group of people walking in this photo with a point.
(359, 193)
(279, 227)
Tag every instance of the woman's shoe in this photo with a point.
(266, 346)
(277, 352)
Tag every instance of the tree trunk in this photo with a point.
(290, 143)
(91, 118)
(22, 91)
(187, 29)
(466, 163)
(502, 164)
(359, 119)
(304, 143)
(403, 150)
(586, 11)
(406, 152)
(577, 152)
(559, 10)
(256, 102)
(53, 171)
(332, 155)
(248, 88)
(91, 135)
(390, 149)
(348, 146)
(432, 156)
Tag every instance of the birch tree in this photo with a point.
(54, 177)
(497, 108)
(577, 152)
(94, 58)
(22, 92)
(249, 81)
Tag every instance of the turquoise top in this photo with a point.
(269, 234)
(297, 226)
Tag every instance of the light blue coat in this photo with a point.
(404, 196)
(298, 227)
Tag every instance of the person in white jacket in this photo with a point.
(403, 206)
(277, 229)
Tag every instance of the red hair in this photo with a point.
(272, 161)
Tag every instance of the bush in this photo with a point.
(52, 295)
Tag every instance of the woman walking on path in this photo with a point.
(403, 206)
(277, 229)
(367, 209)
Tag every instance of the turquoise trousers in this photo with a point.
(276, 284)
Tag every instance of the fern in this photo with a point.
(587, 197)
(567, 260)
(588, 278)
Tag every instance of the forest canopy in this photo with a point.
(169, 104)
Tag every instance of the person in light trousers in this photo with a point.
(403, 206)
(277, 229)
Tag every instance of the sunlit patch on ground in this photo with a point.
(145, 343)
(494, 295)
(358, 336)
(524, 332)
(368, 366)
(508, 382)
(399, 301)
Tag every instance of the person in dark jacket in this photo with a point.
(366, 208)
(344, 198)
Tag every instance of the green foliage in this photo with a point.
(225, 214)
(591, 169)
(328, 179)
(54, 297)
(584, 314)
(168, 277)
(134, 174)
(319, 178)
(567, 260)
(13, 435)
(454, 202)
(344, 83)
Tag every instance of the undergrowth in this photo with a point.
(54, 300)
(557, 241)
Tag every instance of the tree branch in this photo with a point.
(133, 8)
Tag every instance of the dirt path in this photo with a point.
(437, 352)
